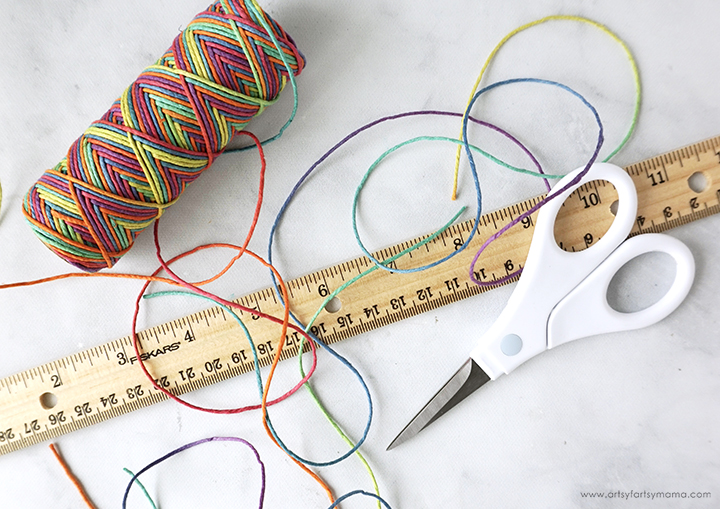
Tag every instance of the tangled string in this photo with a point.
(165, 129)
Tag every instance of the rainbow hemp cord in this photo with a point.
(166, 128)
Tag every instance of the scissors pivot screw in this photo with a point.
(511, 345)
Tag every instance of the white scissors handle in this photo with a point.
(550, 274)
(586, 311)
(562, 296)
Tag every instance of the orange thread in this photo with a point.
(72, 477)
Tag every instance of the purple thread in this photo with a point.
(194, 444)
(549, 197)
(369, 125)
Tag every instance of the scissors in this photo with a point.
(562, 296)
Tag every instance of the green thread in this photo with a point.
(600, 26)
(142, 488)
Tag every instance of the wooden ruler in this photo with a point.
(207, 347)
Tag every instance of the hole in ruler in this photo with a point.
(614, 207)
(333, 306)
(698, 182)
(48, 400)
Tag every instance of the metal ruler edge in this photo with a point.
(207, 347)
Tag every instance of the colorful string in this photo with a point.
(384, 264)
(136, 477)
(370, 125)
(379, 264)
(230, 63)
(165, 265)
(142, 488)
(550, 196)
(355, 446)
(380, 500)
(194, 290)
(220, 301)
(195, 444)
(560, 17)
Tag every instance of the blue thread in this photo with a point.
(551, 195)
(360, 492)
(282, 445)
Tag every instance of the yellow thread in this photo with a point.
(606, 30)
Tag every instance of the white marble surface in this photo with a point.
(628, 411)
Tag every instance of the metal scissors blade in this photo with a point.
(563, 296)
(464, 382)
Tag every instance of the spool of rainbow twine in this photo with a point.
(161, 134)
